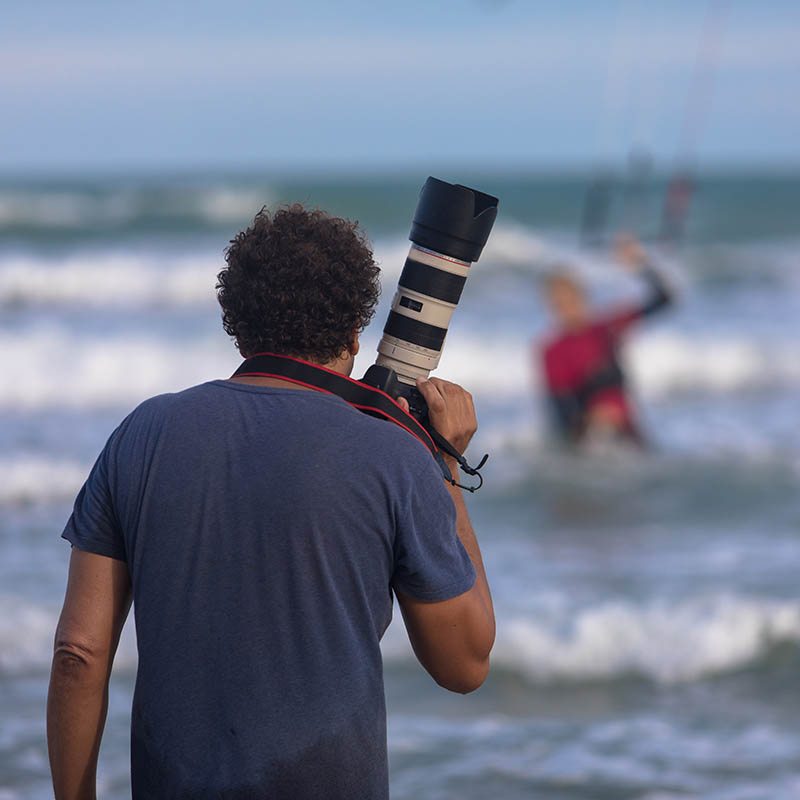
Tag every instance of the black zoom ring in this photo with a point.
(414, 331)
(433, 282)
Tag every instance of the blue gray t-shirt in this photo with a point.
(264, 529)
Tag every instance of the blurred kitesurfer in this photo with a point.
(586, 382)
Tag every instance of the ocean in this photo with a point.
(647, 602)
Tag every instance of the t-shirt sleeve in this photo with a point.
(430, 563)
(93, 525)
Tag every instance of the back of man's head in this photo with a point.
(298, 283)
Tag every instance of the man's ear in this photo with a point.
(354, 345)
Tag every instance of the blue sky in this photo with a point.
(321, 85)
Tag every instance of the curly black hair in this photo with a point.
(299, 283)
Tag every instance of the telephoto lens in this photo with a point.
(450, 228)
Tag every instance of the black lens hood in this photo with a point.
(453, 219)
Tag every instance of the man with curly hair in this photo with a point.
(260, 530)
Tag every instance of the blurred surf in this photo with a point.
(162, 274)
(54, 364)
(667, 643)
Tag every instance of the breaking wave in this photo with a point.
(103, 279)
(54, 367)
(26, 637)
(154, 275)
(667, 643)
(28, 479)
(129, 208)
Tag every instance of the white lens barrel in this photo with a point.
(427, 294)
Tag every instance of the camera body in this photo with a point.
(385, 379)
(450, 227)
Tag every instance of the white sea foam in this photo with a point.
(628, 754)
(660, 363)
(26, 637)
(229, 205)
(53, 367)
(515, 244)
(130, 278)
(61, 209)
(667, 643)
(668, 362)
(50, 210)
(91, 280)
(50, 368)
(29, 478)
(26, 634)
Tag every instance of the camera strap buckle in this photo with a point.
(445, 447)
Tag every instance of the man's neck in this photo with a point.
(342, 365)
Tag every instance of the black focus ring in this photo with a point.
(433, 282)
(414, 331)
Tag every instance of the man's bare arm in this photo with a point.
(453, 638)
(95, 608)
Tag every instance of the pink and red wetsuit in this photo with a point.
(582, 367)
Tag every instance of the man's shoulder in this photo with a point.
(325, 411)
(162, 407)
(169, 400)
